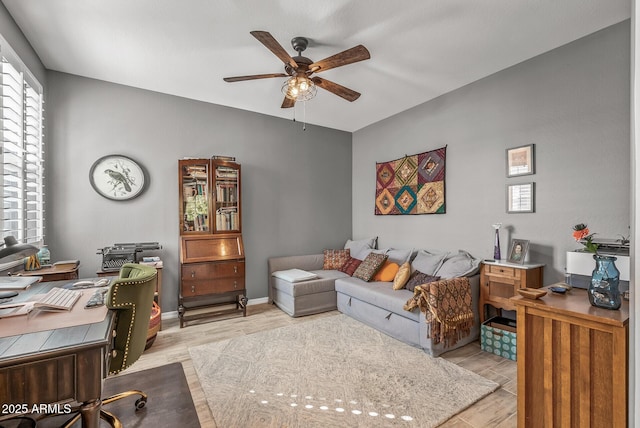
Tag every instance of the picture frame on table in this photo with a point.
(520, 161)
(518, 251)
(521, 198)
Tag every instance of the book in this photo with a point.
(18, 282)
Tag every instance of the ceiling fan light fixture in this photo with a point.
(299, 88)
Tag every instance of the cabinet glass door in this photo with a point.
(227, 197)
(194, 206)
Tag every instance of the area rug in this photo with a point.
(169, 403)
(330, 372)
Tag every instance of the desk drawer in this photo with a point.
(46, 381)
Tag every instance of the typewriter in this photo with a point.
(118, 254)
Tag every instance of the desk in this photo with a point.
(57, 365)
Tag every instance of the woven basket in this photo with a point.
(154, 325)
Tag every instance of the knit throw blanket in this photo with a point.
(447, 306)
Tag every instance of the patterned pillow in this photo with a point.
(334, 259)
(350, 266)
(402, 276)
(370, 266)
(419, 278)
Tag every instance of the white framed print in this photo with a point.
(520, 161)
(520, 198)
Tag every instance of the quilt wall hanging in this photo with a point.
(412, 185)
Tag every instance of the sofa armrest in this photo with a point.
(306, 262)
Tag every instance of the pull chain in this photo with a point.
(304, 115)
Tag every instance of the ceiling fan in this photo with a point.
(301, 85)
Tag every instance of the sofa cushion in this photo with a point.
(387, 272)
(379, 294)
(419, 278)
(399, 256)
(294, 275)
(457, 265)
(427, 262)
(358, 248)
(404, 272)
(369, 266)
(334, 259)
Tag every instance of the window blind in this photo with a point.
(21, 152)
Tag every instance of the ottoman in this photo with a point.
(307, 296)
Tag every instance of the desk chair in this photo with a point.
(131, 296)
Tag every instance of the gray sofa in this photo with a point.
(373, 303)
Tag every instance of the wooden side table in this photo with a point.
(499, 281)
(52, 273)
(572, 362)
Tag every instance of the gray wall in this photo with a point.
(572, 103)
(296, 184)
(13, 35)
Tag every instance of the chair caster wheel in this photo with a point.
(140, 403)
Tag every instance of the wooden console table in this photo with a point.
(52, 273)
(572, 362)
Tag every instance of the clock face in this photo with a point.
(118, 177)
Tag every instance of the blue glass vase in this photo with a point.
(603, 289)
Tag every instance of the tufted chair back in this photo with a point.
(131, 296)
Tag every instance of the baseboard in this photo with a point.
(174, 314)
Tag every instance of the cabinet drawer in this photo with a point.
(200, 271)
(504, 271)
(212, 286)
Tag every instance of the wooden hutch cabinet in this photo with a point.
(572, 362)
(212, 269)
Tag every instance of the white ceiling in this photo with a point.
(420, 49)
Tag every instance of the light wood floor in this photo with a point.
(172, 345)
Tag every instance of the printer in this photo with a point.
(580, 263)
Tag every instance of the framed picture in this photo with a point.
(118, 177)
(520, 198)
(518, 251)
(520, 161)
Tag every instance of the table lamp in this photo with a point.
(11, 252)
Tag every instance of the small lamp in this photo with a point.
(11, 252)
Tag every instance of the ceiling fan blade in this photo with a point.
(339, 90)
(355, 54)
(254, 77)
(288, 102)
(272, 44)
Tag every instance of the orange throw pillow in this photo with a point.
(387, 272)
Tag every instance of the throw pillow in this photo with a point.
(350, 266)
(358, 248)
(427, 262)
(419, 278)
(404, 272)
(370, 266)
(387, 272)
(334, 259)
(458, 265)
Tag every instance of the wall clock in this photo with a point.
(118, 177)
